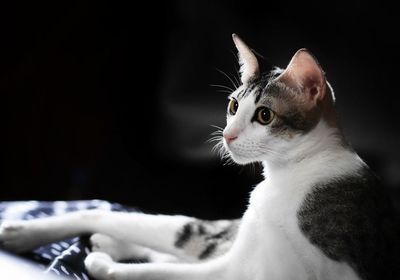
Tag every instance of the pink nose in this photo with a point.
(229, 138)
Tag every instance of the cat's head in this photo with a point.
(273, 116)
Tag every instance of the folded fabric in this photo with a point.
(64, 257)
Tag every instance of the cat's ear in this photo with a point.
(249, 68)
(306, 75)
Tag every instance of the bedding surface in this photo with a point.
(64, 257)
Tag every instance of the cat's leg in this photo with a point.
(187, 238)
(120, 250)
(23, 235)
(101, 266)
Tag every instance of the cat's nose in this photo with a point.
(229, 138)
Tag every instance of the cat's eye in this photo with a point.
(264, 115)
(233, 106)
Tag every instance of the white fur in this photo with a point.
(275, 203)
(249, 68)
(271, 219)
(269, 244)
(291, 168)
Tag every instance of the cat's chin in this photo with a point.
(241, 160)
(237, 158)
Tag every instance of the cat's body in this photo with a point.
(319, 214)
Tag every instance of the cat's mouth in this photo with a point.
(239, 153)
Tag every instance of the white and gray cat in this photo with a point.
(320, 213)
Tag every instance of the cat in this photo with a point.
(320, 212)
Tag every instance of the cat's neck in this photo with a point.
(322, 154)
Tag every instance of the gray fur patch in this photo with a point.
(290, 118)
(184, 235)
(351, 220)
(205, 239)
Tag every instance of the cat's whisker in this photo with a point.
(219, 149)
(237, 76)
(224, 91)
(235, 55)
(216, 126)
(228, 161)
(253, 167)
(215, 135)
(229, 89)
(250, 168)
(217, 132)
(230, 79)
(214, 139)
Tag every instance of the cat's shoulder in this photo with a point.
(361, 189)
(349, 219)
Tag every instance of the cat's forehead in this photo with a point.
(266, 91)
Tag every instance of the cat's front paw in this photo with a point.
(16, 236)
(100, 266)
(106, 244)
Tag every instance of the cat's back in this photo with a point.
(350, 219)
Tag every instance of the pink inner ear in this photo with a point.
(305, 74)
(313, 91)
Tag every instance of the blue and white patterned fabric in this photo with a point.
(64, 257)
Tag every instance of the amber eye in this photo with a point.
(233, 106)
(264, 115)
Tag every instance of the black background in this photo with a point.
(113, 100)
